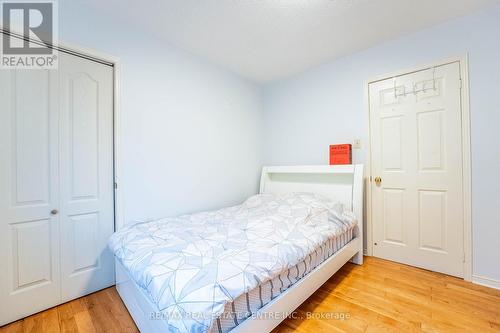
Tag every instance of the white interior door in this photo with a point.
(29, 181)
(56, 184)
(86, 168)
(416, 151)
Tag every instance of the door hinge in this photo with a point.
(463, 258)
(115, 185)
(460, 83)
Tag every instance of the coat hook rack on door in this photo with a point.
(415, 91)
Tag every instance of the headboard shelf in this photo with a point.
(341, 183)
(309, 169)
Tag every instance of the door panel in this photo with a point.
(29, 234)
(432, 220)
(430, 144)
(84, 227)
(31, 240)
(87, 165)
(30, 124)
(83, 135)
(417, 151)
(391, 143)
(394, 229)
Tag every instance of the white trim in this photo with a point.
(485, 281)
(114, 61)
(119, 215)
(415, 69)
(466, 157)
(466, 167)
(368, 193)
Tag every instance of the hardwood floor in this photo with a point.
(102, 311)
(380, 296)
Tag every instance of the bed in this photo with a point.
(285, 276)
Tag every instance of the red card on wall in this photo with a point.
(340, 154)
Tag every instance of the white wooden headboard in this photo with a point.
(343, 183)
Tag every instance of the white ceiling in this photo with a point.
(266, 40)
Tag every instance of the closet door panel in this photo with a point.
(29, 233)
(87, 214)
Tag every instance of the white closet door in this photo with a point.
(56, 184)
(86, 169)
(417, 207)
(29, 233)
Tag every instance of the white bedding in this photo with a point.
(193, 265)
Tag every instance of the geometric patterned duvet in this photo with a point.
(193, 265)
(249, 303)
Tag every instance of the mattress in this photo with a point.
(247, 304)
(195, 267)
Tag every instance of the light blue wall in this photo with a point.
(191, 132)
(194, 136)
(325, 105)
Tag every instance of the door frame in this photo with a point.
(111, 60)
(466, 154)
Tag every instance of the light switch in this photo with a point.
(356, 144)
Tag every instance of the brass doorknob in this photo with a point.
(378, 180)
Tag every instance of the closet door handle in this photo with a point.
(54, 211)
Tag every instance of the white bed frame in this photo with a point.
(341, 183)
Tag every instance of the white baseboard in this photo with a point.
(485, 281)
